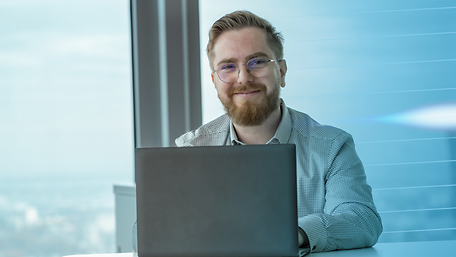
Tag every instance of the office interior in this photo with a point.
(118, 75)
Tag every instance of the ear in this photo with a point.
(213, 79)
(283, 72)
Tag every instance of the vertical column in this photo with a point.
(166, 70)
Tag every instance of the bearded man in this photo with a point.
(335, 205)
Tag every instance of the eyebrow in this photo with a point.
(247, 58)
(230, 60)
(255, 55)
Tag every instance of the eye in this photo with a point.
(228, 67)
(257, 63)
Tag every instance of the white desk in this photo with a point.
(415, 249)
(403, 249)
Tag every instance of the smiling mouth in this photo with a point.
(247, 92)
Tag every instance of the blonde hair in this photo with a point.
(242, 19)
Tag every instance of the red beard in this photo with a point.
(251, 113)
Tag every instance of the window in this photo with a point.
(382, 71)
(65, 124)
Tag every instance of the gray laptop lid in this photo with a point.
(217, 201)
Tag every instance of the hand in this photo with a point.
(303, 240)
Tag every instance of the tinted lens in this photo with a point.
(227, 68)
(258, 67)
(227, 72)
(257, 63)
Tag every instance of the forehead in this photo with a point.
(240, 45)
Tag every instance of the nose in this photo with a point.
(244, 76)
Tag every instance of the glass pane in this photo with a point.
(65, 124)
(384, 72)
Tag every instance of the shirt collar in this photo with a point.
(282, 134)
(234, 139)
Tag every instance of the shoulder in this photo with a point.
(323, 142)
(211, 133)
(306, 126)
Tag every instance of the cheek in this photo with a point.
(278, 79)
(275, 79)
(222, 88)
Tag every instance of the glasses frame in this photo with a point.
(248, 70)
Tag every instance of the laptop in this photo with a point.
(217, 201)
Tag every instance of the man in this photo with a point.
(335, 205)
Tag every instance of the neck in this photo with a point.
(260, 134)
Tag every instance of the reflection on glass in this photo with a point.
(439, 116)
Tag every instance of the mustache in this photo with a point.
(248, 87)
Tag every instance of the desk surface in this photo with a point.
(416, 249)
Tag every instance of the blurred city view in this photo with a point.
(55, 217)
(65, 124)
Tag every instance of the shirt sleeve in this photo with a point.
(134, 241)
(349, 219)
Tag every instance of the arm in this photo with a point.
(303, 240)
(349, 218)
(134, 233)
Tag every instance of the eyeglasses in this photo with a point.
(257, 67)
